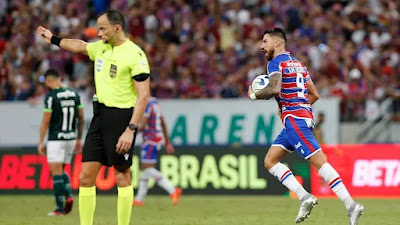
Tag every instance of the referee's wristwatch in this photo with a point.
(132, 126)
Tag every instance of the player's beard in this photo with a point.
(270, 54)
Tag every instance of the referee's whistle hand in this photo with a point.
(125, 142)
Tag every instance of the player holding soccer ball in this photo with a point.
(295, 92)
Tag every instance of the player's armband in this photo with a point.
(141, 77)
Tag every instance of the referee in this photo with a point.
(123, 88)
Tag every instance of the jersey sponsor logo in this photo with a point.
(99, 65)
(293, 64)
(376, 173)
(113, 70)
(66, 94)
(70, 135)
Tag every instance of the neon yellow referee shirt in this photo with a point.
(114, 69)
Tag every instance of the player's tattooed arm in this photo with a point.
(273, 88)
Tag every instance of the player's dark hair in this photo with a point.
(52, 73)
(279, 32)
(115, 17)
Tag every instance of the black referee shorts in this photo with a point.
(107, 125)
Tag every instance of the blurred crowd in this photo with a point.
(211, 48)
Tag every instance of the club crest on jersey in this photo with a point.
(113, 70)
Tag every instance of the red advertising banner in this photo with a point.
(371, 170)
(31, 171)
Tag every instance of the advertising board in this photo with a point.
(370, 170)
(197, 170)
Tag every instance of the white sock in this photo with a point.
(143, 188)
(335, 183)
(160, 179)
(285, 176)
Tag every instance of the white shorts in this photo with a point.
(60, 151)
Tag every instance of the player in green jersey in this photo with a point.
(63, 111)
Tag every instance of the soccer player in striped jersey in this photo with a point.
(154, 132)
(295, 92)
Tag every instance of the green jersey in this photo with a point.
(63, 103)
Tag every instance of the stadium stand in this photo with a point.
(211, 48)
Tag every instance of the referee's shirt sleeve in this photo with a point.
(93, 49)
(140, 65)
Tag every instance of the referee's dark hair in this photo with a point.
(115, 17)
(279, 32)
(51, 73)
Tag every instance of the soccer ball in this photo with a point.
(260, 82)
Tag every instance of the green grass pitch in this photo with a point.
(199, 210)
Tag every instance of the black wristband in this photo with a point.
(55, 40)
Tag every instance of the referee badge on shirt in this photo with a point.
(113, 70)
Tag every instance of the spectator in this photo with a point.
(210, 49)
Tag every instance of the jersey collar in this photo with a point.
(284, 53)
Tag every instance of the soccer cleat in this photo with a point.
(356, 213)
(68, 205)
(175, 196)
(56, 213)
(305, 208)
(137, 203)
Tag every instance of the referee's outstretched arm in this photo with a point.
(71, 45)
